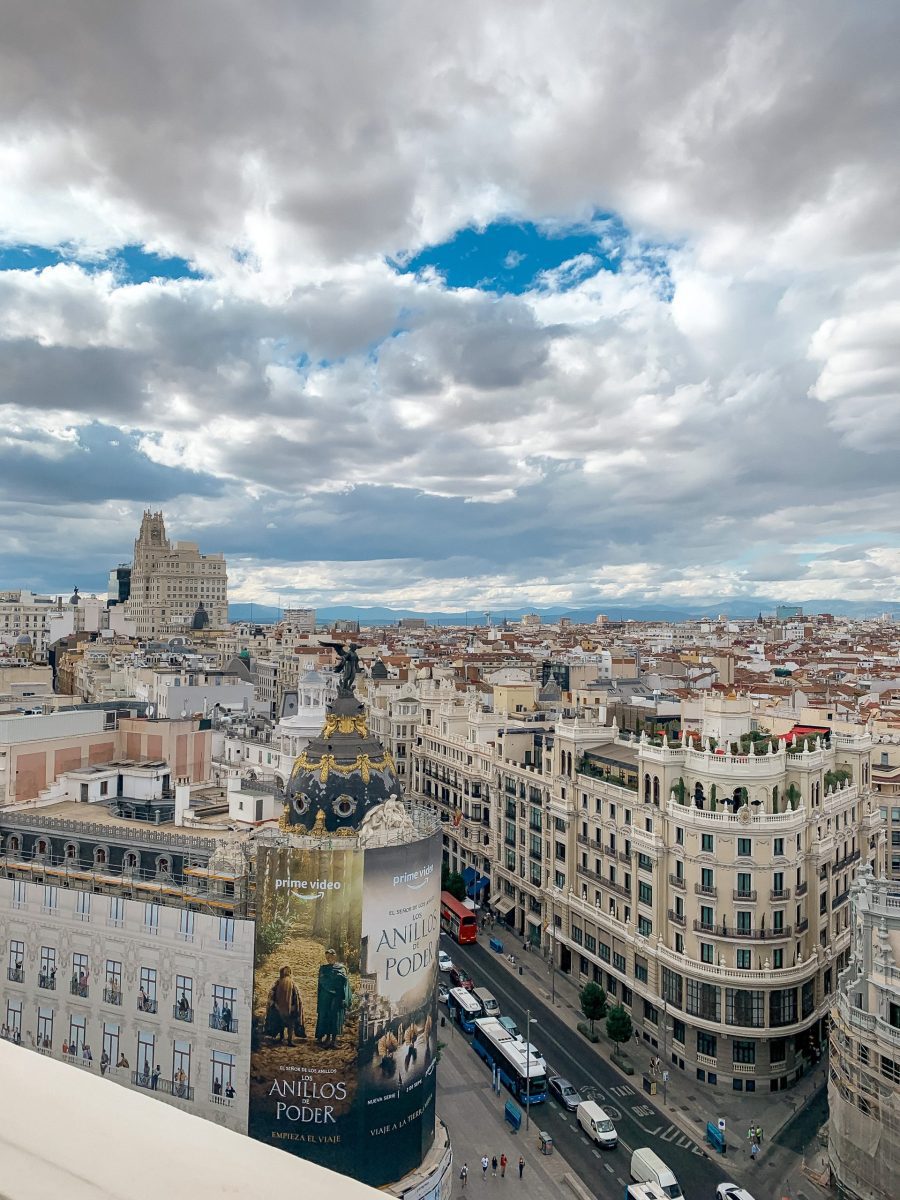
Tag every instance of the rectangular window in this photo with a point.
(744, 921)
(678, 1031)
(645, 927)
(47, 969)
(77, 1030)
(778, 918)
(706, 952)
(222, 1015)
(706, 1043)
(644, 863)
(590, 943)
(745, 1008)
(83, 906)
(45, 1029)
(744, 847)
(679, 836)
(116, 916)
(651, 1014)
(221, 1077)
(81, 975)
(706, 843)
(707, 879)
(707, 920)
(743, 1051)
(619, 962)
(577, 935)
(640, 969)
(147, 994)
(18, 893)
(14, 1019)
(777, 1050)
(560, 879)
(51, 898)
(146, 1057)
(778, 847)
(183, 1009)
(112, 989)
(744, 884)
(743, 960)
(181, 1070)
(645, 893)
(890, 1069)
(151, 918)
(783, 1007)
(777, 960)
(111, 1043)
(15, 964)
(703, 1000)
(672, 987)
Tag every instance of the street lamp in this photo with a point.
(528, 1024)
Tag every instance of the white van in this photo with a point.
(487, 1002)
(597, 1125)
(648, 1167)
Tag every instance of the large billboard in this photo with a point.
(342, 1066)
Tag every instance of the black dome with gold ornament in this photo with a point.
(342, 774)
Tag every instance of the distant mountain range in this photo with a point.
(266, 614)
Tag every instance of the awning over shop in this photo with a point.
(533, 920)
(505, 905)
(474, 882)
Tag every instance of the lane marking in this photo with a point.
(596, 1153)
(608, 1167)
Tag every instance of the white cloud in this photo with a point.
(733, 382)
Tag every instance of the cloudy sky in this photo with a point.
(460, 305)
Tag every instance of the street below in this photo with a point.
(638, 1119)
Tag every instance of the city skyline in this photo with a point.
(464, 308)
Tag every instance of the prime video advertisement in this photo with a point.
(342, 1067)
(398, 1016)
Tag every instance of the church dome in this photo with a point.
(341, 776)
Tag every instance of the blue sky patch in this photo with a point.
(133, 263)
(510, 257)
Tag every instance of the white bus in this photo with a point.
(520, 1069)
(464, 1009)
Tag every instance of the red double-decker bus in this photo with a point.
(458, 920)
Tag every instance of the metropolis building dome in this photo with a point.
(344, 772)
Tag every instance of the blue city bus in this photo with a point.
(464, 1009)
(520, 1070)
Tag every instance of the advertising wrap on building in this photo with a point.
(342, 1066)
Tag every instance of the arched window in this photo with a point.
(130, 860)
(656, 790)
(775, 798)
(14, 845)
(162, 866)
(100, 856)
(71, 850)
(41, 847)
(647, 788)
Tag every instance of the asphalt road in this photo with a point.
(638, 1120)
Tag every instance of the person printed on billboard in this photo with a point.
(334, 996)
(284, 1012)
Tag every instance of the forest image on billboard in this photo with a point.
(343, 1046)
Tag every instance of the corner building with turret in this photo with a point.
(706, 889)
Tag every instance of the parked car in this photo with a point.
(565, 1093)
(445, 962)
(461, 978)
(443, 993)
(648, 1167)
(732, 1191)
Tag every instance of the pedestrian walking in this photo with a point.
(754, 1151)
(521, 1165)
(494, 1166)
(484, 1166)
(503, 1161)
(759, 1134)
(464, 1174)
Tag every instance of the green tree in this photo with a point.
(618, 1027)
(445, 875)
(593, 1002)
(456, 885)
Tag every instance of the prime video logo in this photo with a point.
(414, 879)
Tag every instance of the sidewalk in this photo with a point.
(689, 1104)
(473, 1113)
